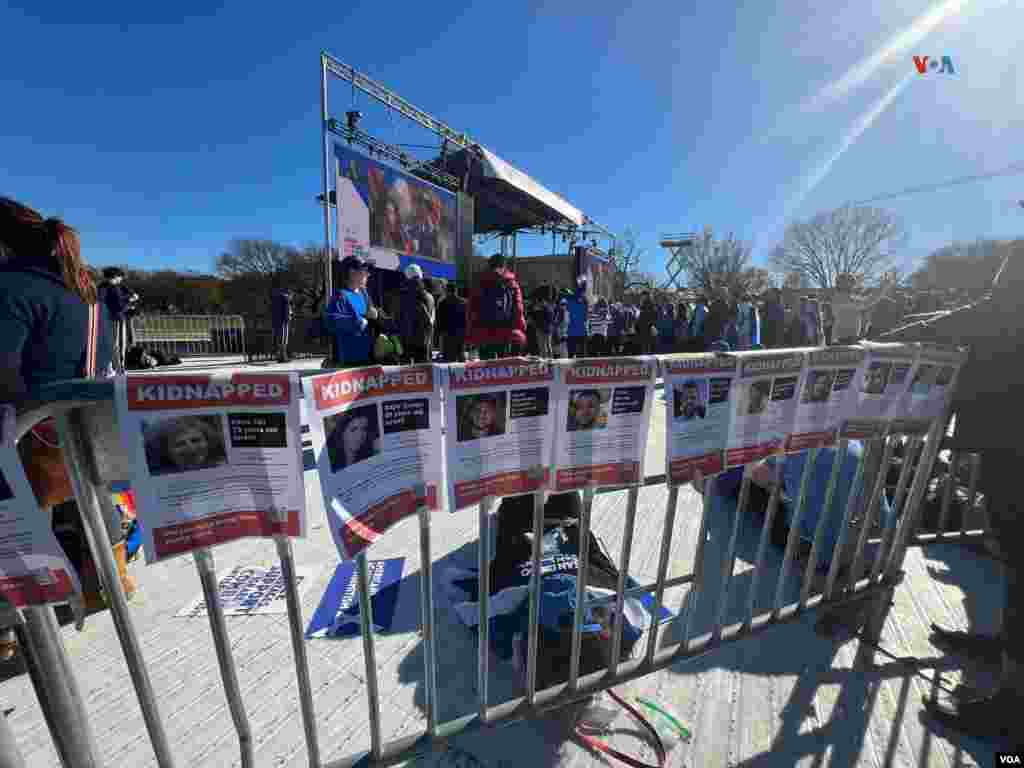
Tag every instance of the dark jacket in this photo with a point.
(477, 334)
(987, 397)
(648, 319)
(115, 298)
(45, 327)
(281, 308)
(451, 316)
(715, 322)
(416, 318)
(773, 325)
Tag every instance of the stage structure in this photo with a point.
(465, 190)
(680, 247)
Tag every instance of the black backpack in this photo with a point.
(497, 308)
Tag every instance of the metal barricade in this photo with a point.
(95, 459)
(190, 335)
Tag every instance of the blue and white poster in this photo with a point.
(338, 612)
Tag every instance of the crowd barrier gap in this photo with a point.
(96, 460)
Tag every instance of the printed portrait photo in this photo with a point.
(876, 378)
(481, 415)
(184, 444)
(689, 401)
(818, 386)
(588, 409)
(758, 394)
(5, 489)
(352, 436)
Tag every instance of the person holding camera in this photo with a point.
(120, 303)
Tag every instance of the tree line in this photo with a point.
(861, 242)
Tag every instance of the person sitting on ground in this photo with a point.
(510, 578)
(762, 476)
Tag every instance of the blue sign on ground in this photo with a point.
(338, 612)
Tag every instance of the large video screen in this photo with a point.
(407, 216)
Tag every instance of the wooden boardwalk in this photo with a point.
(784, 698)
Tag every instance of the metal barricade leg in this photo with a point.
(483, 628)
(285, 555)
(219, 629)
(70, 728)
(534, 607)
(627, 548)
(663, 557)
(10, 755)
(96, 508)
(581, 588)
(369, 654)
(427, 622)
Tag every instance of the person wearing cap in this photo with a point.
(349, 312)
(417, 317)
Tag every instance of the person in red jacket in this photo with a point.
(495, 320)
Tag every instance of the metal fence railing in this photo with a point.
(95, 460)
(305, 339)
(190, 335)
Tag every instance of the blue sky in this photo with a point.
(163, 130)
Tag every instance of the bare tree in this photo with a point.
(246, 258)
(625, 256)
(254, 269)
(711, 265)
(855, 241)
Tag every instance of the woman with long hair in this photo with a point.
(46, 293)
(354, 438)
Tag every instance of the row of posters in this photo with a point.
(219, 457)
(734, 409)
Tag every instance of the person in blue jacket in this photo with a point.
(763, 475)
(577, 309)
(349, 312)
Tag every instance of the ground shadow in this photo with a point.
(797, 650)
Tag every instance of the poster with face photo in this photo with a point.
(215, 458)
(764, 401)
(697, 392)
(376, 435)
(500, 419)
(881, 385)
(828, 394)
(931, 385)
(601, 421)
(33, 568)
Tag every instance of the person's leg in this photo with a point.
(996, 714)
(285, 335)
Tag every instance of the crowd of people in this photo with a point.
(430, 319)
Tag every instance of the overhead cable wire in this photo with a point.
(1011, 170)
